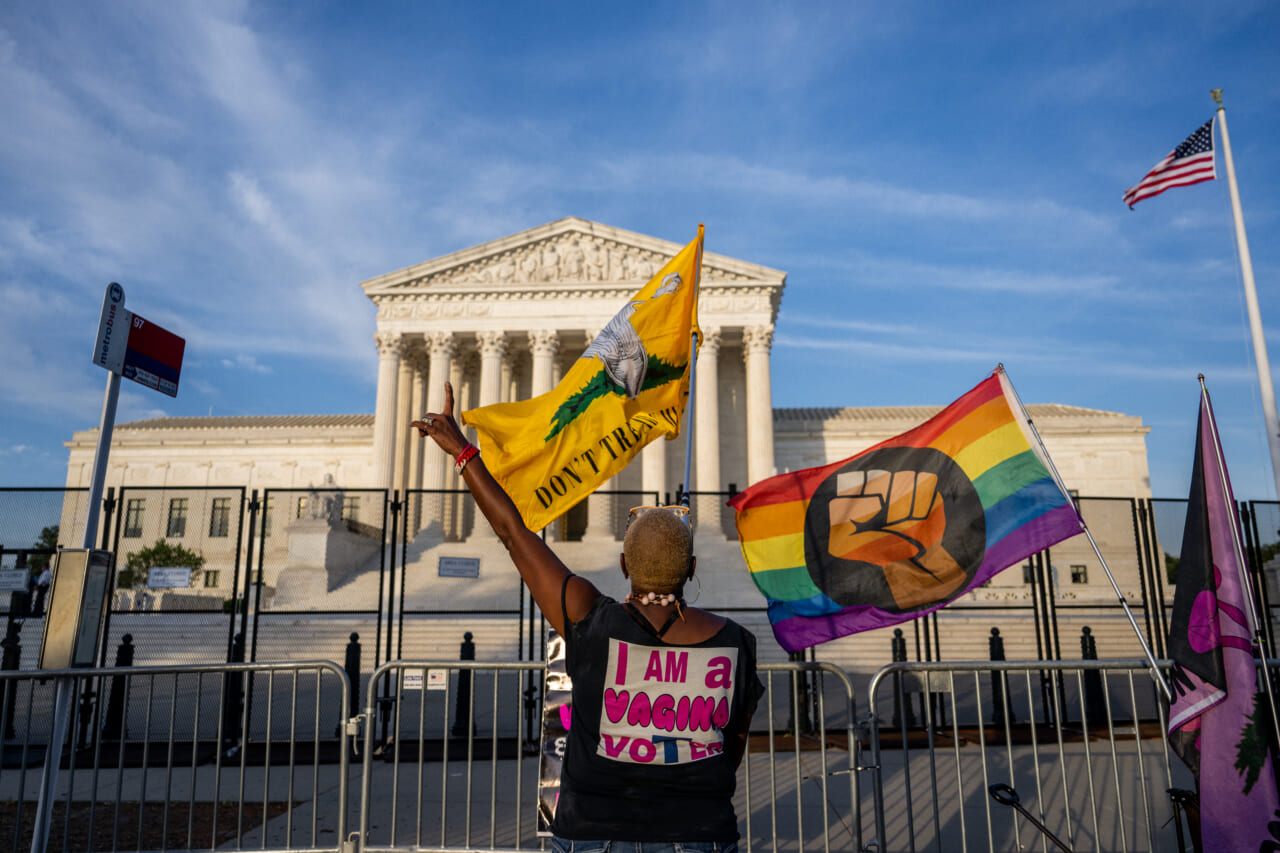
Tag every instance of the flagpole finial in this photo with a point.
(1217, 97)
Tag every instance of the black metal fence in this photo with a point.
(289, 573)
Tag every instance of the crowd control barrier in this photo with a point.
(1022, 755)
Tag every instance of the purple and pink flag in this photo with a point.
(1218, 721)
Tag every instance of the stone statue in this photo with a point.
(597, 262)
(326, 506)
(528, 267)
(571, 268)
(550, 262)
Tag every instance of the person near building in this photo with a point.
(43, 580)
(662, 693)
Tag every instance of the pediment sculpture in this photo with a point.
(567, 258)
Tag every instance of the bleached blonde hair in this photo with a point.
(658, 549)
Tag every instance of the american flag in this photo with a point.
(1189, 163)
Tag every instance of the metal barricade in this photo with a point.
(176, 757)
(809, 797)
(451, 759)
(1084, 742)
(468, 720)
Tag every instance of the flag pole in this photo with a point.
(1156, 675)
(691, 407)
(1246, 586)
(1261, 361)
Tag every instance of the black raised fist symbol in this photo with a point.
(879, 528)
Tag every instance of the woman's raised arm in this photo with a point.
(543, 572)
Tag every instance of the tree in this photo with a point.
(134, 574)
(48, 541)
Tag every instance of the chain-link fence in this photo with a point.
(320, 573)
(175, 616)
(294, 573)
(35, 522)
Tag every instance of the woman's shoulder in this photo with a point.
(601, 606)
(709, 628)
(737, 634)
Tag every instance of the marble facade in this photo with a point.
(503, 321)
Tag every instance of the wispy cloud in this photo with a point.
(807, 320)
(885, 352)
(885, 272)
(245, 362)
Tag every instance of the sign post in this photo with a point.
(129, 346)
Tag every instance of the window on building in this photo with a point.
(350, 507)
(268, 506)
(220, 517)
(210, 579)
(1079, 574)
(133, 517)
(302, 507)
(177, 517)
(1028, 573)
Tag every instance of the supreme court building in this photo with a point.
(503, 321)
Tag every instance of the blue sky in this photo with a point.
(941, 182)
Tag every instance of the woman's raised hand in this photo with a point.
(442, 428)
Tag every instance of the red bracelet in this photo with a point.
(468, 453)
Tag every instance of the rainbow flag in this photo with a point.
(905, 527)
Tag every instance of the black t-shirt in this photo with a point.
(645, 757)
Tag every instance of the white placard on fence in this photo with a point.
(169, 577)
(459, 567)
(14, 580)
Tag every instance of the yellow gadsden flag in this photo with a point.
(627, 388)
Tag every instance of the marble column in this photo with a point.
(493, 349)
(544, 344)
(442, 346)
(756, 343)
(457, 505)
(706, 434)
(417, 445)
(404, 404)
(600, 512)
(653, 470)
(390, 347)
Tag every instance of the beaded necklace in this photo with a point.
(647, 598)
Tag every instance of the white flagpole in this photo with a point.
(690, 406)
(1156, 675)
(1251, 301)
(690, 409)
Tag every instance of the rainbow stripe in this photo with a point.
(1022, 511)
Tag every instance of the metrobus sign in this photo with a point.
(136, 348)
